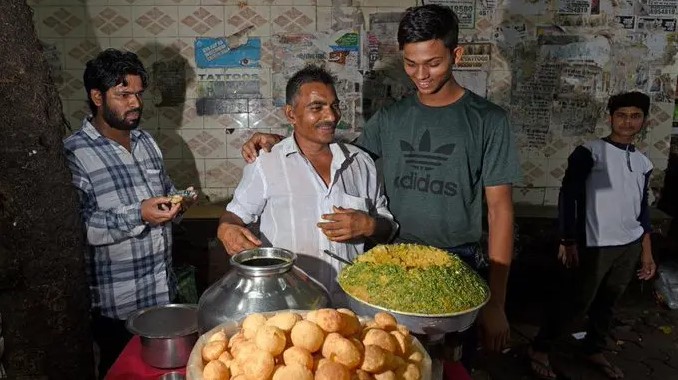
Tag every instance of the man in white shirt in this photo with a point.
(310, 193)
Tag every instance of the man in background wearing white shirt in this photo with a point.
(310, 193)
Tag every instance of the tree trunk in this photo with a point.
(44, 299)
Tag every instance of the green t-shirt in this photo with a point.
(436, 162)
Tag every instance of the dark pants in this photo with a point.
(111, 336)
(472, 255)
(594, 287)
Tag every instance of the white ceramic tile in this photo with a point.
(235, 141)
(62, 21)
(226, 121)
(525, 195)
(71, 86)
(218, 194)
(293, 19)
(155, 21)
(131, 2)
(110, 21)
(238, 18)
(202, 20)
(171, 48)
(77, 51)
(551, 196)
(223, 173)
(75, 111)
(186, 172)
(557, 167)
(144, 48)
(170, 142)
(205, 143)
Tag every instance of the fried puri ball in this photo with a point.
(376, 359)
(284, 321)
(251, 324)
(416, 357)
(403, 343)
(359, 345)
(307, 335)
(239, 337)
(258, 365)
(219, 335)
(332, 371)
(243, 350)
(385, 321)
(329, 320)
(311, 315)
(216, 370)
(212, 350)
(271, 339)
(403, 329)
(382, 339)
(236, 368)
(362, 375)
(409, 372)
(386, 375)
(226, 358)
(298, 355)
(293, 372)
(350, 325)
(341, 350)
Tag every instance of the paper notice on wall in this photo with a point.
(475, 81)
(626, 22)
(662, 8)
(656, 24)
(465, 10)
(574, 7)
(476, 56)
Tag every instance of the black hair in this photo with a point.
(429, 22)
(629, 99)
(309, 74)
(108, 69)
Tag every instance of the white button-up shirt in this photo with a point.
(283, 191)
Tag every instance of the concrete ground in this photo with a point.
(643, 343)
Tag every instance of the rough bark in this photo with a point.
(43, 292)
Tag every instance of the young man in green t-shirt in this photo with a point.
(442, 149)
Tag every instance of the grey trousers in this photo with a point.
(594, 289)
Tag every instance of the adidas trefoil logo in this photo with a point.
(424, 158)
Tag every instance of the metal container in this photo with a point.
(435, 326)
(260, 280)
(167, 334)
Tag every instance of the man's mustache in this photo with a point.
(136, 110)
(326, 124)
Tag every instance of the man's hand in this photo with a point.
(265, 141)
(236, 238)
(568, 255)
(494, 327)
(155, 211)
(648, 268)
(346, 224)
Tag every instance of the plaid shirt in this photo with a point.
(129, 263)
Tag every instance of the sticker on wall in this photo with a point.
(219, 53)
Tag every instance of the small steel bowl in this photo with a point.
(168, 333)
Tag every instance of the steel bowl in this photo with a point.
(168, 334)
(435, 326)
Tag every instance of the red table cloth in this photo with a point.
(130, 366)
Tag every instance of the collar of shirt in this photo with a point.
(91, 131)
(340, 154)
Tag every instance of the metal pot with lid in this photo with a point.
(260, 280)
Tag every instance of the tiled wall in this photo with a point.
(205, 150)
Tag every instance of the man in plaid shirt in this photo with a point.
(123, 186)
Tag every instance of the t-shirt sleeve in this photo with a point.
(500, 157)
(370, 139)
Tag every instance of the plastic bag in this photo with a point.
(666, 284)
